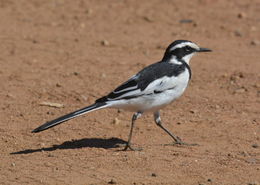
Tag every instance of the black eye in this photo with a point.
(188, 48)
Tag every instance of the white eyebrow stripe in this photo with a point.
(185, 44)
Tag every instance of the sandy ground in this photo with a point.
(72, 52)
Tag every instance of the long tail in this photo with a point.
(71, 115)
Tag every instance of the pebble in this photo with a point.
(51, 104)
(255, 145)
(50, 113)
(255, 42)
(58, 85)
(42, 144)
(50, 155)
(193, 111)
(240, 90)
(89, 11)
(76, 73)
(238, 33)
(105, 43)
(112, 181)
(116, 121)
(84, 97)
(154, 175)
(241, 15)
(148, 19)
(47, 164)
(253, 183)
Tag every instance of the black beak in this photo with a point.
(204, 50)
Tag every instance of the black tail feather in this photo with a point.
(69, 116)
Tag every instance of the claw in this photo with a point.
(131, 148)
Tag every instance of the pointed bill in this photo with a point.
(204, 50)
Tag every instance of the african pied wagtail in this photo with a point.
(151, 89)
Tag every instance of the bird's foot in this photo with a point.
(128, 146)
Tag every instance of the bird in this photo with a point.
(150, 90)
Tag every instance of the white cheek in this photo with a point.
(188, 57)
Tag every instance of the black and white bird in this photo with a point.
(151, 89)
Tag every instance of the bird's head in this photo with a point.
(182, 50)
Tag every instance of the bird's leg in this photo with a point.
(128, 145)
(176, 139)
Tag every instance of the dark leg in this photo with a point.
(128, 145)
(176, 139)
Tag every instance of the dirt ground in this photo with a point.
(73, 52)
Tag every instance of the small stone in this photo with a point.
(13, 164)
(244, 153)
(253, 183)
(10, 96)
(34, 41)
(84, 97)
(192, 111)
(241, 15)
(240, 90)
(153, 175)
(104, 43)
(255, 42)
(209, 180)
(42, 144)
(255, 145)
(76, 73)
(89, 11)
(50, 113)
(58, 85)
(51, 104)
(112, 181)
(238, 33)
(148, 19)
(116, 121)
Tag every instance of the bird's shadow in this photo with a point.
(81, 143)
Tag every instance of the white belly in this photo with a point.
(155, 101)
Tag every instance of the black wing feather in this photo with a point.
(146, 76)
